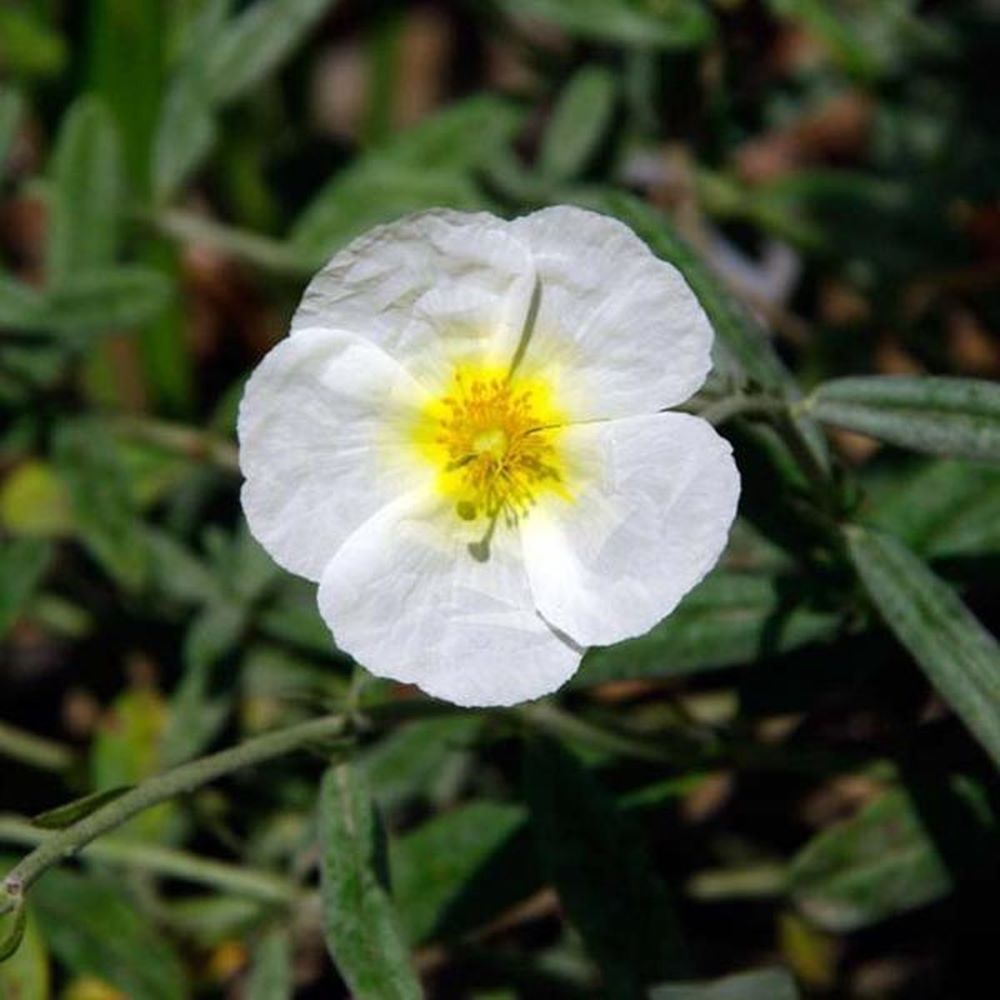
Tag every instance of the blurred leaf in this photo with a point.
(86, 193)
(128, 747)
(257, 42)
(727, 619)
(201, 702)
(766, 984)
(179, 573)
(213, 920)
(11, 113)
(944, 416)
(23, 562)
(958, 655)
(94, 929)
(271, 970)
(579, 122)
(63, 816)
(25, 975)
(883, 861)
(362, 931)
(598, 862)
(12, 928)
(106, 301)
(645, 23)
(20, 304)
(185, 134)
(223, 59)
(461, 869)
(103, 506)
(260, 251)
(34, 502)
(942, 509)
(428, 166)
(406, 762)
(28, 46)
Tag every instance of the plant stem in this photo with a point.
(189, 441)
(168, 785)
(34, 750)
(258, 885)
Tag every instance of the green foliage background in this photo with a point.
(786, 789)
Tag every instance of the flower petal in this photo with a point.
(621, 329)
(321, 430)
(408, 600)
(430, 289)
(653, 500)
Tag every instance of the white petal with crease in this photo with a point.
(405, 598)
(621, 328)
(322, 429)
(428, 289)
(654, 499)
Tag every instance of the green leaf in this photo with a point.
(34, 502)
(25, 975)
(943, 416)
(765, 984)
(20, 304)
(941, 509)
(94, 929)
(23, 562)
(185, 134)
(579, 121)
(11, 113)
(644, 23)
(257, 42)
(459, 870)
(12, 927)
(361, 926)
(105, 301)
(605, 880)
(271, 970)
(960, 658)
(729, 618)
(202, 701)
(28, 46)
(63, 816)
(883, 861)
(104, 510)
(430, 165)
(87, 177)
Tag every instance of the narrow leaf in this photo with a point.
(883, 861)
(361, 927)
(63, 816)
(579, 121)
(103, 506)
(11, 113)
(766, 984)
(463, 868)
(94, 929)
(943, 416)
(257, 42)
(20, 304)
(729, 618)
(12, 927)
(605, 879)
(105, 301)
(271, 971)
(645, 23)
(87, 193)
(23, 562)
(25, 975)
(960, 658)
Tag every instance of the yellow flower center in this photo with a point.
(494, 441)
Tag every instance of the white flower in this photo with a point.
(461, 442)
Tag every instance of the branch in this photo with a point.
(168, 785)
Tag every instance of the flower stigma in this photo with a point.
(493, 439)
